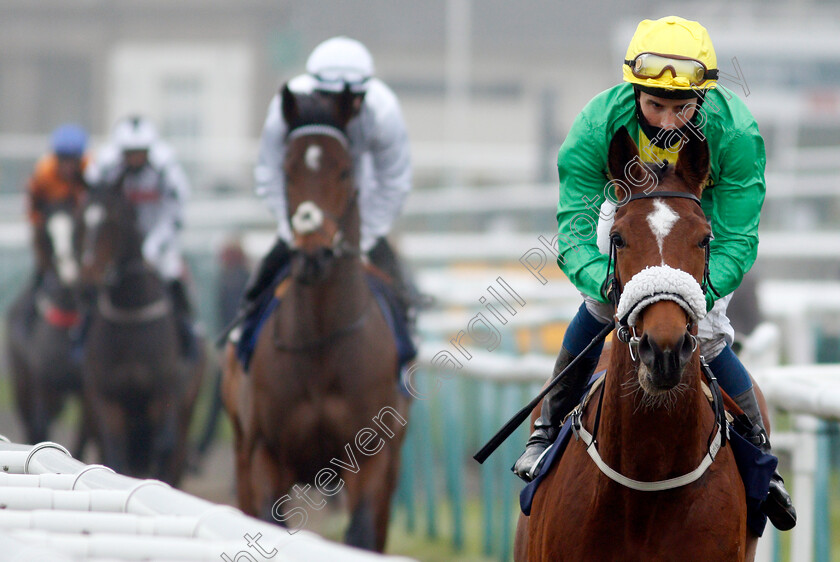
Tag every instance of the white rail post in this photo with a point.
(804, 474)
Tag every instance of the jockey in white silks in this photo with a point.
(378, 144)
(137, 161)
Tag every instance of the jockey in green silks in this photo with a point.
(670, 93)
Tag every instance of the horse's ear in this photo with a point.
(693, 161)
(622, 151)
(346, 105)
(289, 104)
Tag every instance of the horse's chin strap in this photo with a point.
(716, 441)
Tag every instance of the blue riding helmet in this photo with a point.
(69, 141)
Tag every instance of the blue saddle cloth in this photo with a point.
(384, 296)
(755, 468)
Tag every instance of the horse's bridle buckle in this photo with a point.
(575, 415)
(627, 334)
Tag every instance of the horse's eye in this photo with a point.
(706, 241)
(345, 175)
(617, 240)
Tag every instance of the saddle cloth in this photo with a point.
(755, 467)
(383, 293)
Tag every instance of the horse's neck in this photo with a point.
(135, 285)
(652, 441)
(338, 300)
(52, 290)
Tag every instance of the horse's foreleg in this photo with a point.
(752, 545)
(164, 447)
(369, 498)
(37, 426)
(520, 540)
(243, 448)
(83, 433)
(112, 428)
(270, 481)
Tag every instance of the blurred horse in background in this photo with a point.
(40, 324)
(323, 374)
(139, 394)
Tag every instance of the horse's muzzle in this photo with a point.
(665, 364)
(312, 267)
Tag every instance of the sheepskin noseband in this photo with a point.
(657, 283)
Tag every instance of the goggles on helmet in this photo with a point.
(336, 80)
(654, 65)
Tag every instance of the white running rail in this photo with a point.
(57, 509)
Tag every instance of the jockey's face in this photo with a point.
(69, 168)
(667, 113)
(136, 159)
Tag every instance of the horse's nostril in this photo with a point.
(686, 347)
(647, 350)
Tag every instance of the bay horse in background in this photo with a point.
(655, 420)
(139, 394)
(323, 378)
(40, 324)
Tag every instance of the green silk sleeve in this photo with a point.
(735, 204)
(581, 163)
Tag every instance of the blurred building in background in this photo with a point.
(488, 87)
(205, 70)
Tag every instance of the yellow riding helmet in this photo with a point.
(664, 54)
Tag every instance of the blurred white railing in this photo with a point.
(58, 509)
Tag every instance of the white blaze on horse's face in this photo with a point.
(60, 230)
(308, 218)
(313, 157)
(661, 220)
(93, 217)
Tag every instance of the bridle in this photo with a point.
(339, 247)
(626, 334)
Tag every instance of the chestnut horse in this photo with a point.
(324, 369)
(655, 421)
(139, 392)
(41, 323)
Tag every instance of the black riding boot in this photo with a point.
(778, 507)
(383, 257)
(265, 273)
(183, 318)
(556, 405)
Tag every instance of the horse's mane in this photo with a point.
(666, 176)
(659, 170)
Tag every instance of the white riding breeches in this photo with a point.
(166, 258)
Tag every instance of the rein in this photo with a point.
(324, 340)
(153, 311)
